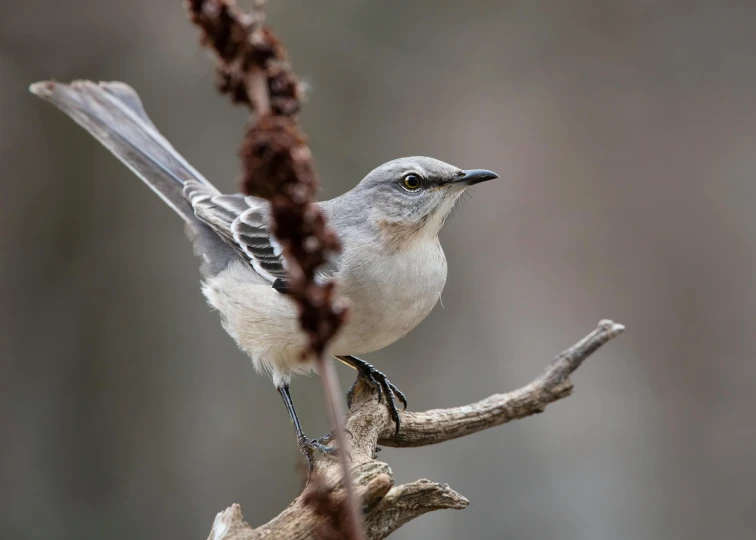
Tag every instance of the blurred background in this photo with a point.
(624, 134)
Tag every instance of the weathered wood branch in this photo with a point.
(387, 507)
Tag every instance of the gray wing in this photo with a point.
(242, 222)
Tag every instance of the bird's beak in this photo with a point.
(475, 176)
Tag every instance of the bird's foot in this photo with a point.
(378, 381)
(325, 439)
(308, 447)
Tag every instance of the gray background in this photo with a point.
(624, 133)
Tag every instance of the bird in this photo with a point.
(391, 268)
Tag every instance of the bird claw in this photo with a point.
(325, 439)
(378, 381)
(308, 447)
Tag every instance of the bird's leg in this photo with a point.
(376, 380)
(307, 446)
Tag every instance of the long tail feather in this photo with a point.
(113, 113)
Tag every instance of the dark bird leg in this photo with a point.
(375, 379)
(307, 446)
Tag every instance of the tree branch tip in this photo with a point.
(612, 327)
(458, 501)
(432, 494)
(227, 523)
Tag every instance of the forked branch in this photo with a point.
(387, 507)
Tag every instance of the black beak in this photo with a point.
(475, 176)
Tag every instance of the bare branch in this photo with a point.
(431, 427)
(386, 507)
(404, 503)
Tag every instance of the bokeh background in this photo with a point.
(624, 133)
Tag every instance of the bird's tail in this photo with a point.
(113, 113)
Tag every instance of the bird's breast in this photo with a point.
(390, 294)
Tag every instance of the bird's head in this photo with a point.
(410, 198)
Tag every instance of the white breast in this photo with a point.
(391, 297)
(388, 299)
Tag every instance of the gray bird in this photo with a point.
(391, 268)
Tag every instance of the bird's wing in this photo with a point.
(242, 222)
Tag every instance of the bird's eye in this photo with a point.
(411, 182)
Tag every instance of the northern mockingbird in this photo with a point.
(391, 267)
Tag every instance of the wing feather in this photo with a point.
(242, 222)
